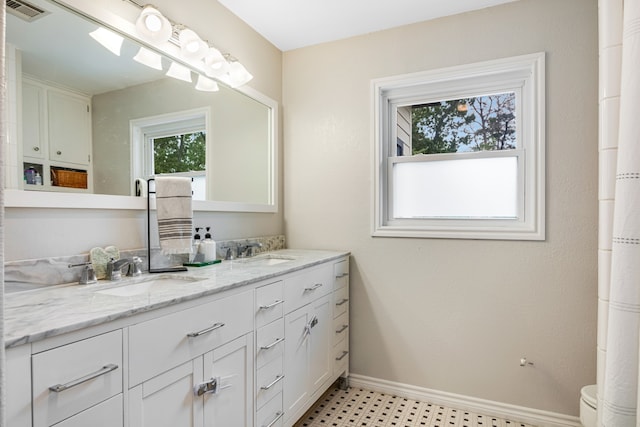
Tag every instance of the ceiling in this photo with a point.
(291, 24)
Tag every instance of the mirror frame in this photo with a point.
(15, 198)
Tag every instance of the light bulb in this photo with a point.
(153, 23)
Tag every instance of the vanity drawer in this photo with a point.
(302, 289)
(105, 414)
(76, 376)
(340, 328)
(341, 357)
(268, 382)
(341, 274)
(340, 301)
(270, 343)
(271, 414)
(168, 341)
(269, 303)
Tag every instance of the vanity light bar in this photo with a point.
(231, 71)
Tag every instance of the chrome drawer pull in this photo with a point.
(342, 275)
(343, 301)
(273, 344)
(273, 304)
(205, 331)
(313, 288)
(344, 353)
(341, 330)
(105, 370)
(279, 415)
(274, 382)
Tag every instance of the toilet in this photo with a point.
(588, 414)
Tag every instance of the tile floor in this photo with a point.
(358, 407)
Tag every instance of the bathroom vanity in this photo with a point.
(252, 342)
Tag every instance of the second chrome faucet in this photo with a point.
(115, 267)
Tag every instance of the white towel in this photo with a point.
(175, 217)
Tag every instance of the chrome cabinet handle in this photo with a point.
(344, 353)
(341, 330)
(273, 304)
(205, 331)
(342, 275)
(104, 370)
(313, 288)
(279, 415)
(274, 382)
(344, 300)
(58, 152)
(273, 344)
(210, 386)
(36, 148)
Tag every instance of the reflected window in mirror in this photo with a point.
(172, 145)
(182, 154)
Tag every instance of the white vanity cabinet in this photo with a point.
(256, 356)
(193, 367)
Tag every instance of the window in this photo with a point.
(174, 145)
(459, 152)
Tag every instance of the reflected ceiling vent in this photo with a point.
(24, 10)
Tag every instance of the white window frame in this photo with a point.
(524, 75)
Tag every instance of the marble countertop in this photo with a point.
(54, 310)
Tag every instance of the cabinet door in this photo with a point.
(231, 405)
(69, 128)
(168, 400)
(320, 340)
(296, 359)
(32, 120)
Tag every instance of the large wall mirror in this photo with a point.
(85, 114)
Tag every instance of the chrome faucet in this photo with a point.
(114, 267)
(247, 250)
(88, 275)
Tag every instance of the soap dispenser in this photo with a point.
(195, 249)
(208, 247)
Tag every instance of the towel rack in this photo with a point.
(156, 270)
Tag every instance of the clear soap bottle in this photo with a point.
(195, 250)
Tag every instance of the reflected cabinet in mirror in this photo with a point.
(92, 118)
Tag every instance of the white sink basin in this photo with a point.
(266, 260)
(144, 286)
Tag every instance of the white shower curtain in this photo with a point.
(3, 138)
(619, 254)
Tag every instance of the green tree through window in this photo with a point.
(179, 153)
(471, 124)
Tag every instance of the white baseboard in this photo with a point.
(522, 414)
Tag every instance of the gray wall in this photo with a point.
(456, 315)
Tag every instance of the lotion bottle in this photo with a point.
(208, 247)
